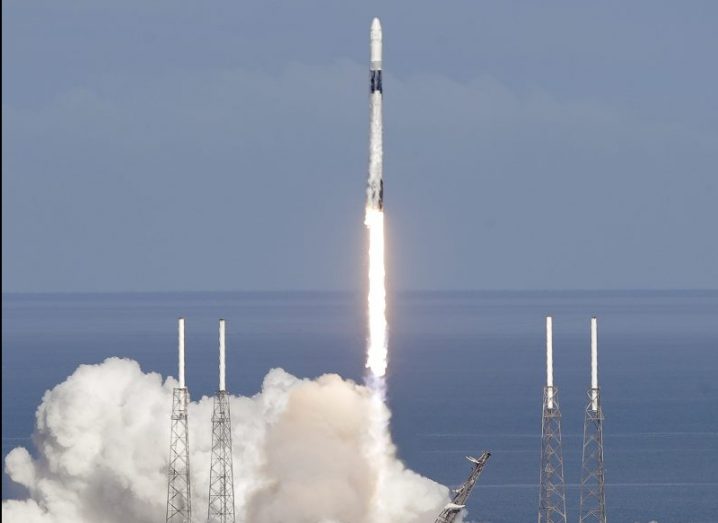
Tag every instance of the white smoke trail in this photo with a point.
(299, 451)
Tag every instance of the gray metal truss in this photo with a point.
(593, 482)
(552, 489)
(179, 496)
(458, 502)
(221, 478)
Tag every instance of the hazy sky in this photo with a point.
(174, 145)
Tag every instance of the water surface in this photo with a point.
(466, 373)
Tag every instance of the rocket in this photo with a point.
(375, 188)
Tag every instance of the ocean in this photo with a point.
(466, 372)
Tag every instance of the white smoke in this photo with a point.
(300, 453)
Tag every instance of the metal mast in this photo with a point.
(552, 490)
(221, 477)
(458, 502)
(593, 487)
(179, 504)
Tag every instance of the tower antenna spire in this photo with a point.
(552, 489)
(221, 474)
(179, 496)
(593, 482)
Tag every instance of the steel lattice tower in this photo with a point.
(221, 477)
(458, 502)
(552, 489)
(593, 486)
(179, 498)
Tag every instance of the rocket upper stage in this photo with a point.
(376, 43)
(375, 56)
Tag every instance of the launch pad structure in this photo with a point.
(221, 474)
(458, 501)
(552, 496)
(552, 488)
(592, 508)
(179, 496)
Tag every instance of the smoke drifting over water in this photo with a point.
(303, 453)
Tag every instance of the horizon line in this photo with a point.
(354, 291)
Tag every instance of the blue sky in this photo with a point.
(182, 146)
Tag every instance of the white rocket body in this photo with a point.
(375, 188)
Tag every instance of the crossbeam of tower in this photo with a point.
(179, 498)
(458, 502)
(221, 476)
(592, 508)
(552, 489)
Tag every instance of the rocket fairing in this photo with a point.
(375, 189)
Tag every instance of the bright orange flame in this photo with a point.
(377, 342)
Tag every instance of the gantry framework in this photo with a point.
(592, 508)
(221, 478)
(552, 490)
(179, 506)
(458, 502)
(593, 482)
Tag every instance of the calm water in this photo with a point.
(466, 374)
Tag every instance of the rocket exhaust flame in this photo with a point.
(377, 342)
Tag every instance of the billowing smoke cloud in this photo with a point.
(300, 453)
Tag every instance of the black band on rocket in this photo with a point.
(375, 81)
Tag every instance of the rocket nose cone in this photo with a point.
(376, 28)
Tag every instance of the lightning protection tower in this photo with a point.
(221, 478)
(458, 502)
(592, 507)
(179, 506)
(552, 490)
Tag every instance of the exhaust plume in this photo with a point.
(299, 446)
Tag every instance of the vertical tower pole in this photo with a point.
(552, 489)
(549, 361)
(221, 476)
(593, 486)
(179, 496)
